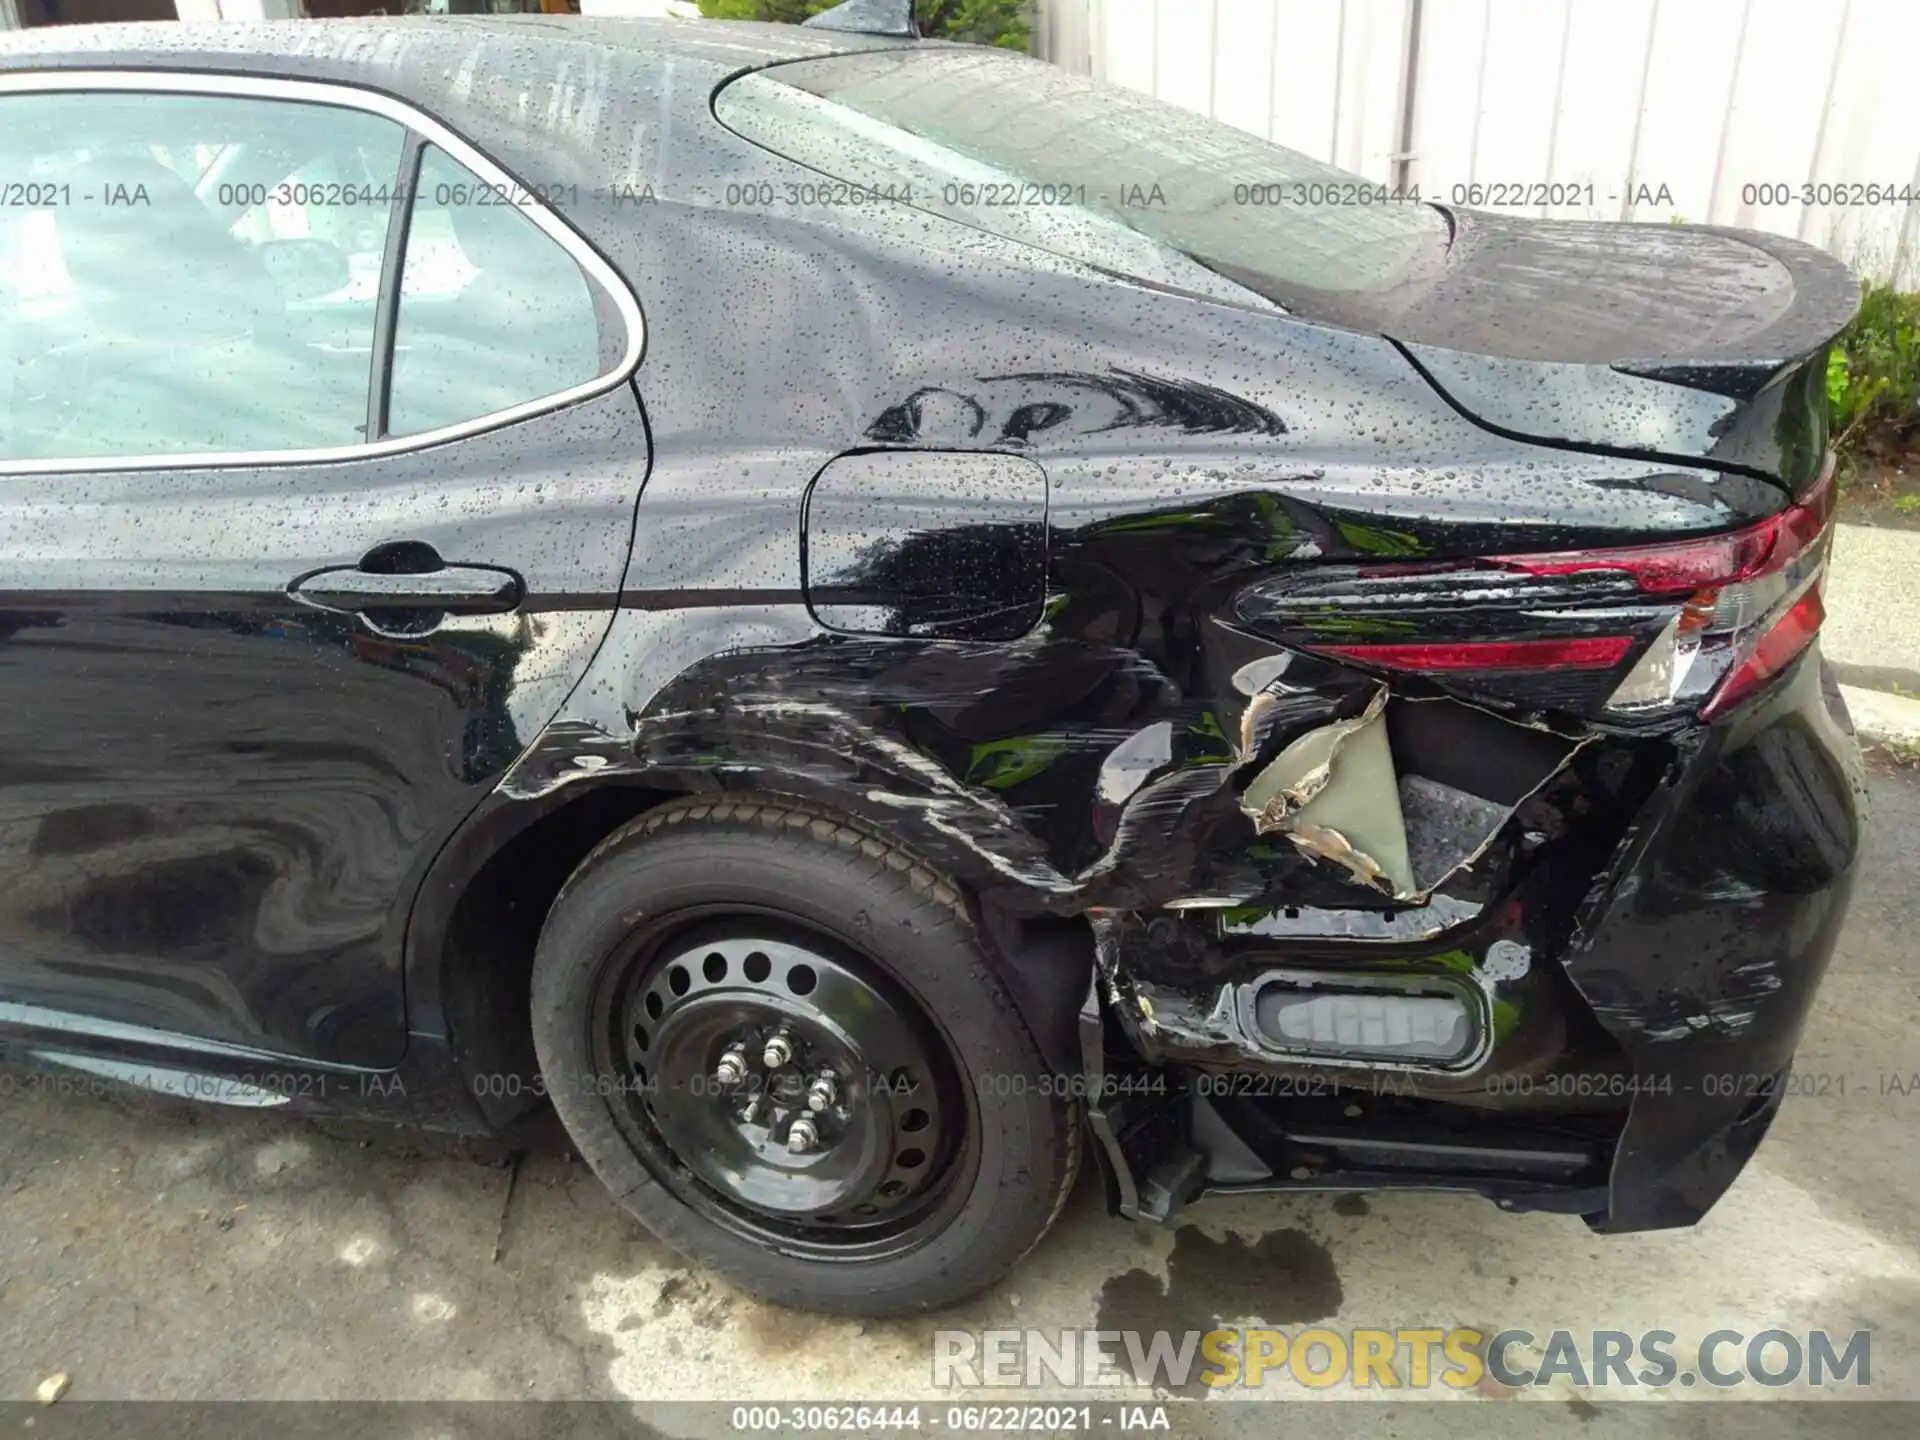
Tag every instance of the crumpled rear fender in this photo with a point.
(996, 760)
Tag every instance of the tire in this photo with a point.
(750, 874)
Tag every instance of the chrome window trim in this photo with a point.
(346, 97)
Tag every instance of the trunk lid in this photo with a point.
(1688, 343)
(1695, 345)
(1737, 302)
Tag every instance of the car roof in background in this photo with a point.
(314, 48)
(584, 109)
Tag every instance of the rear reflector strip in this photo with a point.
(1580, 652)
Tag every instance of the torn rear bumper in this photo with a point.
(1702, 950)
(1610, 1036)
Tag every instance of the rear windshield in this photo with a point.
(1091, 171)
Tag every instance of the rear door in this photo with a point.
(274, 613)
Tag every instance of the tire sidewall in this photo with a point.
(913, 936)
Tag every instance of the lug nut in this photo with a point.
(822, 1092)
(778, 1052)
(802, 1137)
(731, 1070)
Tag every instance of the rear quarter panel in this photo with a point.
(1188, 447)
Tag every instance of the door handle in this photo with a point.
(409, 582)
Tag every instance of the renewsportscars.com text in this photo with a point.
(1457, 1358)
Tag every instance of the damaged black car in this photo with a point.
(880, 623)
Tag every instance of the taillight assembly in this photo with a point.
(1750, 601)
(1699, 624)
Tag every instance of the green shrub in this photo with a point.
(1873, 373)
(1006, 23)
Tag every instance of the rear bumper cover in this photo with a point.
(1701, 948)
(1696, 948)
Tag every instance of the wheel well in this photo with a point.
(487, 963)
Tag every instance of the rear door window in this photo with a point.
(494, 312)
(187, 274)
(238, 276)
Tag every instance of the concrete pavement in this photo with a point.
(1872, 632)
(156, 1250)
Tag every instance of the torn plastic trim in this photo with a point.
(1302, 771)
(1338, 793)
(1184, 996)
(1440, 914)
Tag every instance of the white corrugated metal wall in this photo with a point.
(1707, 98)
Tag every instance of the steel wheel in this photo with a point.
(782, 1086)
(857, 1170)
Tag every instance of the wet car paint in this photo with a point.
(1702, 951)
(1186, 451)
(947, 546)
(1683, 341)
(223, 798)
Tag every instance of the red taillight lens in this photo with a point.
(1790, 634)
(1696, 624)
(1752, 603)
(1677, 569)
(1686, 566)
(1582, 652)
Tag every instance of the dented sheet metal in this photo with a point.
(1090, 684)
(987, 755)
(1210, 801)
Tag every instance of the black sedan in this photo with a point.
(874, 620)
